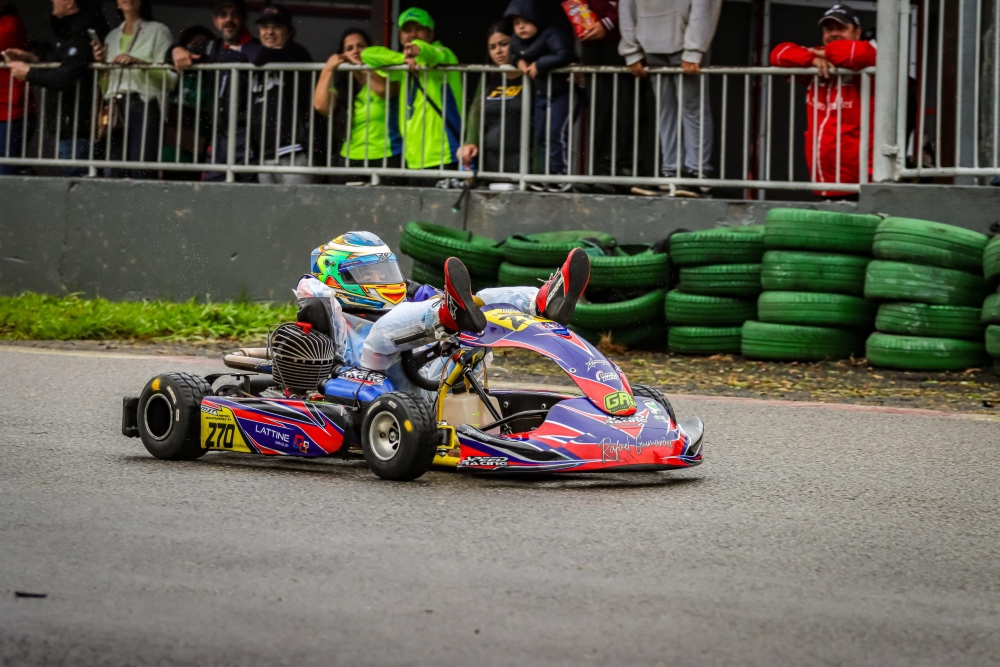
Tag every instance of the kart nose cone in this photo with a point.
(695, 429)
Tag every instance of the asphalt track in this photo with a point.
(810, 536)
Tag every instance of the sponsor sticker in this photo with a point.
(607, 376)
(485, 461)
(618, 401)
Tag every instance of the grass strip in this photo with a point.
(37, 317)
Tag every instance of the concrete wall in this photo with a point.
(134, 239)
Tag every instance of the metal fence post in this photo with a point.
(886, 91)
(525, 157)
(234, 91)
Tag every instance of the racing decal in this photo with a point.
(220, 430)
(619, 402)
(607, 376)
(485, 461)
(360, 375)
(514, 320)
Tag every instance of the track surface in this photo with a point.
(809, 537)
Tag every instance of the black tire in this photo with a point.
(620, 314)
(787, 271)
(704, 340)
(932, 243)
(657, 395)
(823, 231)
(816, 309)
(708, 311)
(633, 266)
(169, 416)
(913, 353)
(921, 319)
(550, 248)
(404, 430)
(433, 244)
(736, 280)
(991, 310)
(899, 281)
(727, 245)
(789, 342)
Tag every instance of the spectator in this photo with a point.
(498, 111)
(71, 21)
(13, 133)
(674, 33)
(374, 133)
(134, 97)
(834, 112)
(275, 100)
(537, 49)
(600, 48)
(194, 94)
(234, 45)
(431, 117)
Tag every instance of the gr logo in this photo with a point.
(618, 401)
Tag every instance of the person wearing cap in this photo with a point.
(275, 98)
(430, 114)
(235, 44)
(833, 115)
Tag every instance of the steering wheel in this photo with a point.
(414, 360)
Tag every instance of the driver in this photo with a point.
(375, 314)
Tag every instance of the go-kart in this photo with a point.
(612, 427)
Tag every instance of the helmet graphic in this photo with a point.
(362, 270)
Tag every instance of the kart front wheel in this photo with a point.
(397, 436)
(657, 395)
(169, 416)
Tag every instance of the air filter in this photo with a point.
(301, 357)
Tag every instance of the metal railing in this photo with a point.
(956, 58)
(230, 104)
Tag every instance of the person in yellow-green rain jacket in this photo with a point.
(430, 114)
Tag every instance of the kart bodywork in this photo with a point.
(609, 428)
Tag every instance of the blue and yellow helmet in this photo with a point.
(362, 270)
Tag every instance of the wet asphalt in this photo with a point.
(810, 536)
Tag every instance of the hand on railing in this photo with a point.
(638, 69)
(411, 51)
(467, 153)
(691, 69)
(184, 58)
(822, 65)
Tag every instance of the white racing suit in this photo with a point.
(378, 345)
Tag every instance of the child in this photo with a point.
(537, 49)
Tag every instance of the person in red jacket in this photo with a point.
(12, 123)
(833, 115)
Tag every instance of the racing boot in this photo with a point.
(459, 311)
(557, 298)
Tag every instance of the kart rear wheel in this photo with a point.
(397, 436)
(657, 395)
(169, 416)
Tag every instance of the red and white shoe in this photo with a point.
(557, 298)
(458, 311)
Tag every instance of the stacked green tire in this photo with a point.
(990, 318)
(812, 306)
(430, 245)
(719, 280)
(928, 278)
(624, 298)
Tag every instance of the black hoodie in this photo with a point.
(74, 53)
(550, 48)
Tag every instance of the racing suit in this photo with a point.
(430, 118)
(822, 104)
(412, 324)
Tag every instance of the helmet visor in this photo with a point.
(381, 273)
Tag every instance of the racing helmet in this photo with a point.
(361, 270)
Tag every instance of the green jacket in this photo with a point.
(430, 109)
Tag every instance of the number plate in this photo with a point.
(219, 430)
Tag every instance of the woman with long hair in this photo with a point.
(495, 110)
(373, 134)
(134, 96)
